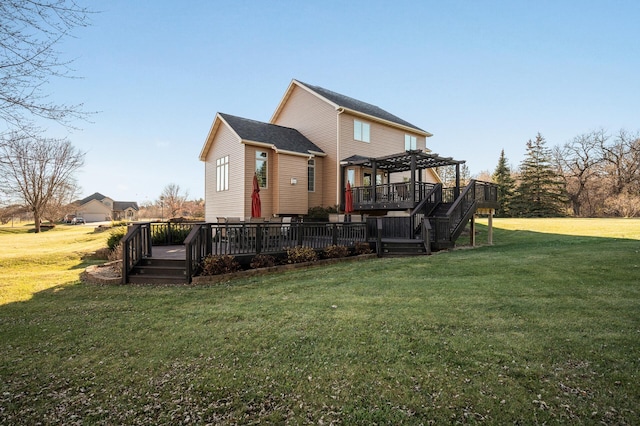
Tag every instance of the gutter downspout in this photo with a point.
(339, 195)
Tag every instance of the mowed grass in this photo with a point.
(31, 262)
(542, 327)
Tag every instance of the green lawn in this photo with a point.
(542, 327)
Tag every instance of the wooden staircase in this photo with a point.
(159, 271)
(403, 247)
(436, 221)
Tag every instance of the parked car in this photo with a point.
(77, 221)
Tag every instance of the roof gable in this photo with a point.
(95, 196)
(124, 205)
(280, 138)
(350, 104)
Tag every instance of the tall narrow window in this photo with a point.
(311, 175)
(361, 131)
(410, 142)
(351, 176)
(222, 174)
(261, 168)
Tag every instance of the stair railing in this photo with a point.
(426, 206)
(136, 245)
(197, 246)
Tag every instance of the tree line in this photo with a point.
(596, 174)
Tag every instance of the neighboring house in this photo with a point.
(304, 156)
(98, 208)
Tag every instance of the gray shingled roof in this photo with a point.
(95, 196)
(123, 205)
(359, 106)
(283, 138)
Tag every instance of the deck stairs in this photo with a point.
(159, 271)
(403, 247)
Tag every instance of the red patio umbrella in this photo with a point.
(348, 199)
(256, 207)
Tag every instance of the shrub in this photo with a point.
(320, 213)
(219, 264)
(115, 223)
(301, 254)
(362, 248)
(335, 251)
(116, 253)
(262, 261)
(170, 234)
(115, 236)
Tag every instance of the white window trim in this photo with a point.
(266, 169)
(361, 131)
(222, 174)
(410, 142)
(311, 164)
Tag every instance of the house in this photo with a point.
(98, 208)
(315, 142)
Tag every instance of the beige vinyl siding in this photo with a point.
(385, 140)
(315, 197)
(315, 119)
(292, 199)
(225, 203)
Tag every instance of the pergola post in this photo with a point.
(374, 178)
(412, 184)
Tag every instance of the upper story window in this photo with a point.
(311, 175)
(261, 168)
(222, 174)
(361, 131)
(410, 142)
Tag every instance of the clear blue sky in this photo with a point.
(480, 75)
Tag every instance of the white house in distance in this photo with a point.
(99, 208)
(303, 157)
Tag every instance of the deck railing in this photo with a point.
(444, 230)
(136, 245)
(246, 239)
(393, 193)
(257, 238)
(170, 233)
(197, 247)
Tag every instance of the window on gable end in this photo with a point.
(222, 174)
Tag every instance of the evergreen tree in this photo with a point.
(506, 186)
(541, 191)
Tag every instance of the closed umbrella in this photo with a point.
(348, 199)
(256, 207)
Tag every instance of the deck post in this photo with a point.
(472, 231)
(457, 190)
(379, 237)
(490, 228)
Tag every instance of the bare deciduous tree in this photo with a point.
(30, 33)
(37, 171)
(173, 200)
(579, 163)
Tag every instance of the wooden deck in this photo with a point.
(169, 252)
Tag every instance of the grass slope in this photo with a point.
(31, 262)
(541, 327)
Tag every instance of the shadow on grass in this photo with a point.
(536, 328)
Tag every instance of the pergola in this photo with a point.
(412, 161)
